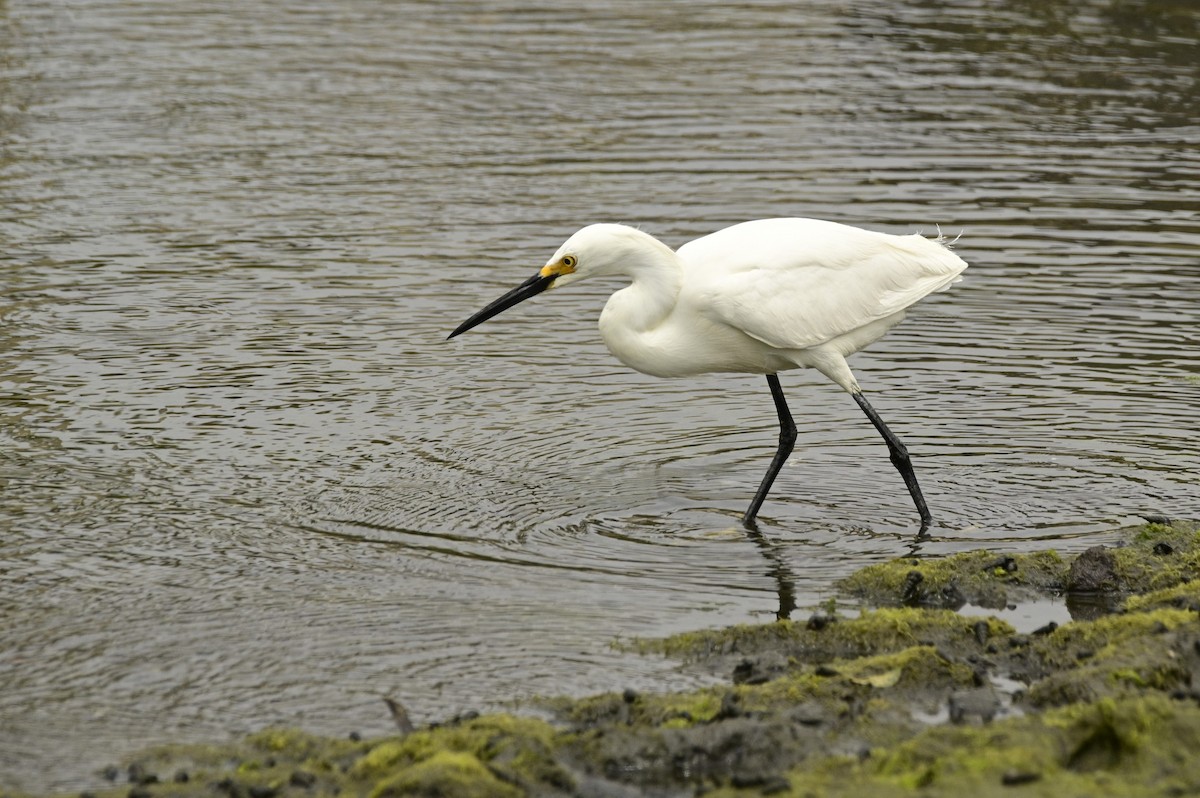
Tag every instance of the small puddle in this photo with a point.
(1026, 617)
(995, 701)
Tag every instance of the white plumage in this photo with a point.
(759, 297)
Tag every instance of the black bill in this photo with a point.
(531, 287)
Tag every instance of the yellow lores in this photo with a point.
(759, 298)
(564, 265)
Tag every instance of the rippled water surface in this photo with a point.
(246, 481)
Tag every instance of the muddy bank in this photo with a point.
(908, 694)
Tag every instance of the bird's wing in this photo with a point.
(796, 293)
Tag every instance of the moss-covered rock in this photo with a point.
(442, 775)
(1131, 747)
(483, 752)
(985, 578)
(1118, 655)
(1150, 557)
(872, 632)
(1181, 596)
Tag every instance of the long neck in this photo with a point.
(657, 277)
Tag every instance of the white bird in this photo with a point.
(759, 297)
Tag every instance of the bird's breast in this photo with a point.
(683, 344)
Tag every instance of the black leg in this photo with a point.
(900, 460)
(787, 440)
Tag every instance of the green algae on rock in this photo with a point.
(454, 773)
(984, 578)
(490, 755)
(1185, 595)
(1150, 557)
(1130, 747)
(873, 632)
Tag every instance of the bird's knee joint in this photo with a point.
(900, 455)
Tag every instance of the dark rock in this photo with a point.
(743, 750)
(1042, 631)
(259, 791)
(910, 593)
(952, 597)
(775, 785)
(1094, 571)
(1186, 603)
(301, 778)
(743, 673)
(229, 787)
(810, 713)
(818, 621)
(1007, 564)
(140, 776)
(1014, 778)
(1163, 549)
(982, 703)
(730, 707)
(744, 780)
(630, 695)
(760, 668)
(981, 631)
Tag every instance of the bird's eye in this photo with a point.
(570, 261)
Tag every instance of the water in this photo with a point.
(245, 481)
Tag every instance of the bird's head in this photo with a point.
(596, 249)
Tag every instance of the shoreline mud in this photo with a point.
(904, 695)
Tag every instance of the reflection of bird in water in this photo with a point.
(778, 570)
(759, 297)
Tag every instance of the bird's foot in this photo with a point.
(923, 532)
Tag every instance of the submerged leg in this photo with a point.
(900, 460)
(787, 440)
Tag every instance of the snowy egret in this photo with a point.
(759, 297)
